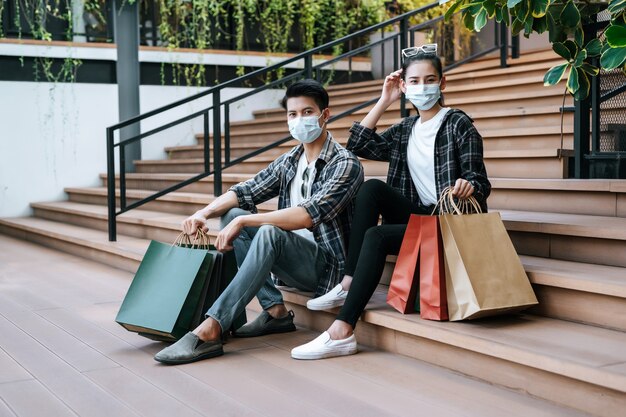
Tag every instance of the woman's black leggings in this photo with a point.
(370, 244)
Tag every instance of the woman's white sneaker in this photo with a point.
(324, 347)
(333, 298)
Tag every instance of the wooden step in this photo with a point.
(92, 244)
(526, 115)
(250, 166)
(533, 163)
(538, 163)
(566, 290)
(138, 223)
(532, 93)
(523, 138)
(176, 202)
(524, 85)
(568, 363)
(161, 181)
(575, 291)
(571, 196)
(571, 237)
(487, 122)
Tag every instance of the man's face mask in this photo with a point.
(305, 129)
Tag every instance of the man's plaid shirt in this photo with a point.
(458, 154)
(339, 175)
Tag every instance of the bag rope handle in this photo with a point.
(447, 204)
(200, 240)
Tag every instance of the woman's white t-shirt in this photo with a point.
(421, 156)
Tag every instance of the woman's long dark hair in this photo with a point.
(434, 60)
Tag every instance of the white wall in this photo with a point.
(53, 136)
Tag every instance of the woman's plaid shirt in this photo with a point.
(339, 175)
(458, 154)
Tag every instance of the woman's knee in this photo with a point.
(370, 191)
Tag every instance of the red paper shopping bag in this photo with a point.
(405, 279)
(433, 303)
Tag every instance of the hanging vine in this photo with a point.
(199, 24)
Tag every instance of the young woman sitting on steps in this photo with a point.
(438, 148)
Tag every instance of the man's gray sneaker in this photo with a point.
(266, 324)
(189, 349)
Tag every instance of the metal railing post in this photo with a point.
(217, 144)
(227, 133)
(595, 109)
(504, 44)
(308, 66)
(515, 51)
(581, 138)
(111, 185)
(207, 148)
(122, 177)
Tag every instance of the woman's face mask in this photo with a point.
(305, 129)
(423, 96)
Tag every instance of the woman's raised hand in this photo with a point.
(391, 87)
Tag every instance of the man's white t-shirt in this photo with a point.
(421, 156)
(295, 189)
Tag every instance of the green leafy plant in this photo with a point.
(564, 20)
(36, 14)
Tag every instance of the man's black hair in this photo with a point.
(307, 88)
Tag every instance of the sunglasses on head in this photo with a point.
(428, 49)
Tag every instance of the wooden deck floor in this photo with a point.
(62, 354)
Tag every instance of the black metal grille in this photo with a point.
(613, 112)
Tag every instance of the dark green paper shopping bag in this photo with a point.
(167, 291)
(222, 273)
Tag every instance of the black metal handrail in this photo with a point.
(219, 117)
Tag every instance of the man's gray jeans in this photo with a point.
(297, 261)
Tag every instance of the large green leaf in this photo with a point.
(590, 69)
(613, 58)
(517, 26)
(579, 36)
(570, 16)
(468, 21)
(562, 50)
(616, 6)
(540, 25)
(481, 20)
(554, 74)
(583, 85)
(452, 10)
(512, 3)
(580, 58)
(524, 11)
(573, 48)
(490, 6)
(528, 26)
(572, 81)
(594, 47)
(616, 36)
(539, 7)
(555, 31)
(505, 15)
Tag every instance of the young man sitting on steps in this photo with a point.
(302, 244)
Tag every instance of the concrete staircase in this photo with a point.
(571, 235)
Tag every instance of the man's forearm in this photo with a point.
(292, 218)
(220, 205)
